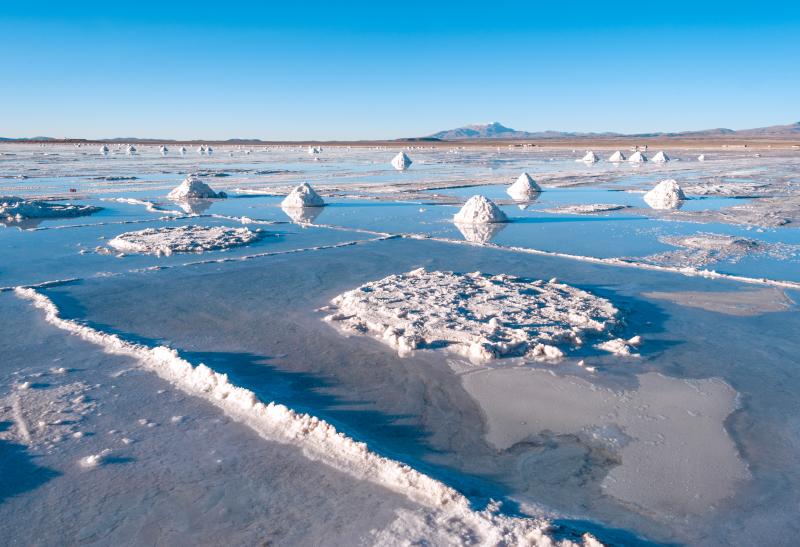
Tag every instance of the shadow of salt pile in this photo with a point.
(19, 473)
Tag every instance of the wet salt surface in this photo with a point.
(254, 319)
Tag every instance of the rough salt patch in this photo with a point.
(660, 157)
(524, 188)
(182, 239)
(477, 315)
(401, 161)
(590, 157)
(303, 196)
(667, 194)
(587, 209)
(479, 210)
(637, 157)
(701, 249)
(616, 157)
(14, 208)
(194, 188)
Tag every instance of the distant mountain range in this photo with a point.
(489, 131)
(498, 131)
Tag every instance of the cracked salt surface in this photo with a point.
(479, 316)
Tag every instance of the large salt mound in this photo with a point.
(667, 194)
(590, 157)
(401, 161)
(637, 157)
(616, 157)
(303, 196)
(661, 157)
(14, 209)
(524, 188)
(182, 239)
(194, 188)
(479, 210)
(477, 315)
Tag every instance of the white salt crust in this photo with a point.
(321, 442)
(182, 239)
(479, 316)
(14, 208)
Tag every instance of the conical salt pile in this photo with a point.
(667, 194)
(201, 150)
(164, 150)
(479, 210)
(637, 157)
(661, 157)
(616, 157)
(524, 188)
(401, 161)
(194, 188)
(104, 150)
(131, 150)
(590, 157)
(182, 150)
(701, 157)
(303, 196)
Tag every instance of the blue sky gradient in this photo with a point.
(376, 70)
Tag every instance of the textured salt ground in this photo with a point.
(236, 488)
(701, 249)
(739, 303)
(588, 209)
(480, 316)
(129, 481)
(182, 239)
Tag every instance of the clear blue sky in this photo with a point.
(384, 70)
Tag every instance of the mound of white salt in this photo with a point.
(590, 157)
(479, 210)
(477, 315)
(303, 196)
(616, 157)
(104, 150)
(524, 188)
(701, 157)
(164, 150)
(182, 150)
(667, 194)
(401, 161)
(194, 188)
(131, 150)
(661, 157)
(587, 209)
(13, 209)
(637, 157)
(182, 239)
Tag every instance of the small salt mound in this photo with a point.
(637, 157)
(661, 157)
(524, 188)
(194, 188)
(182, 150)
(401, 161)
(182, 239)
(164, 150)
(479, 210)
(131, 150)
(701, 157)
(303, 196)
(314, 150)
(590, 157)
(209, 151)
(14, 208)
(667, 194)
(616, 157)
(104, 150)
(477, 315)
(201, 150)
